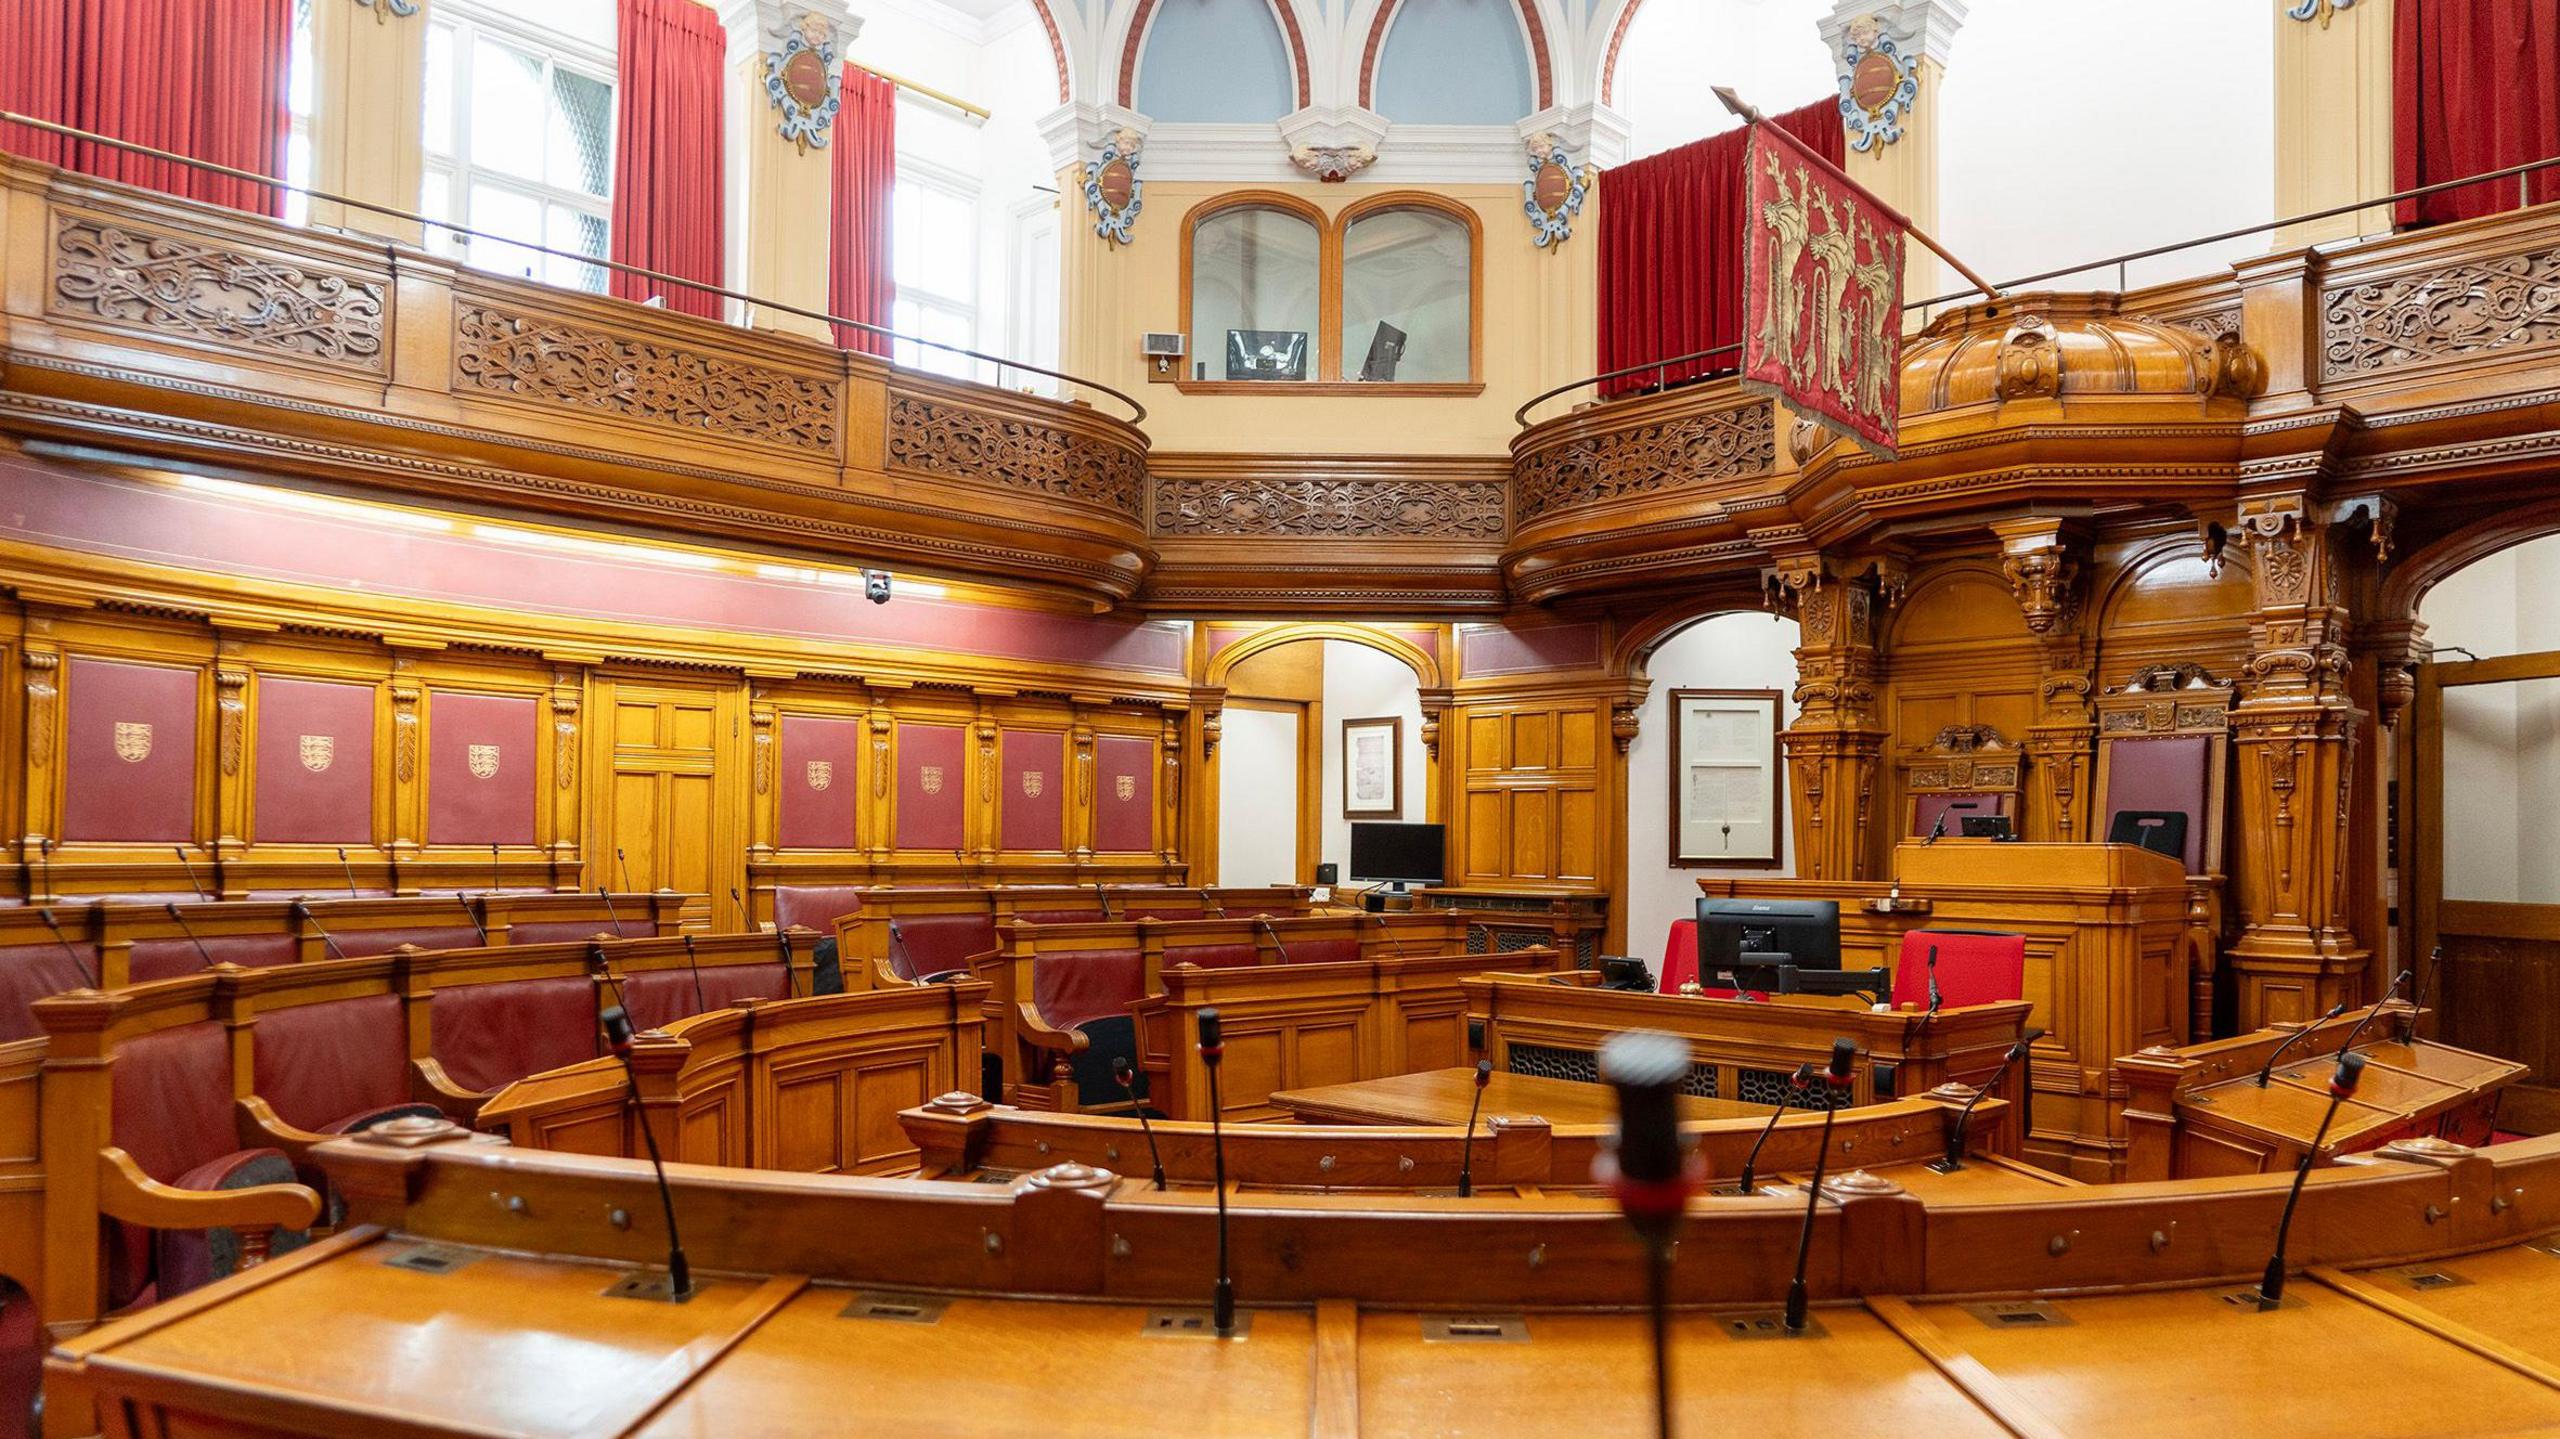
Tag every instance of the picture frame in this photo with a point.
(1373, 768)
(1727, 791)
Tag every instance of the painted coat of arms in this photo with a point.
(930, 777)
(821, 774)
(1821, 294)
(484, 760)
(1125, 786)
(1032, 782)
(317, 750)
(133, 741)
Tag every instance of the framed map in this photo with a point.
(1373, 768)
(1725, 790)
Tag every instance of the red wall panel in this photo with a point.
(140, 790)
(315, 763)
(1124, 794)
(468, 807)
(933, 787)
(820, 798)
(1031, 809)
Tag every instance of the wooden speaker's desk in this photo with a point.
(1448, 1096)
(2109, 946)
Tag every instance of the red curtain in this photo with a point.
(2475, 86)
(861, 285)
(667, 181)
(1671, 250)
(203, 78)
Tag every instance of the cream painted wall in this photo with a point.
(1362, 683)
(2501, 742)
(1257, 789)
(1539, 325)
(1742, 651)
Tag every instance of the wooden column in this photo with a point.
(1835, 747)
(764, 814)
(780, 186)
(40, 663)
(408, 762)
(2042, 556)
(233, 678)
(568, 691)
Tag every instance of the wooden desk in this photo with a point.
(1441, 1096)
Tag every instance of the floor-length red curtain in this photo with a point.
(861, 283)
(1671, 250)
(202, 78)
(2475, 87)
(667, 180)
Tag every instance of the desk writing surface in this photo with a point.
(2510, 1295)
(1441, 1096)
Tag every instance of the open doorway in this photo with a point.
(1302, 721)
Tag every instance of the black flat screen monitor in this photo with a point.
(1745, 940)
(2161, 831)
(1988, 826)
(1398, 854)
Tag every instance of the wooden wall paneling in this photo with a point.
(1538, 778)
(932, 755)
(38, 771)
(670, 813)
(451, 844)
(407, 758)
(162, 767)
(320, 712)
(2046, 560)
(1835, 745)
(1958, 654)
(569, 741)
(811, 784)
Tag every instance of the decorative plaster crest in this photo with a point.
(1879, 75)
(2320, 10)
(1333, 164)
(383, 10)
(1112, 189)
(1553, 194)
(805, 80)
(1333, 143)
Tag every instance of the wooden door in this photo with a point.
(2486, 881)
(671, 809)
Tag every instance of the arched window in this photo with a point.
(1255, 296)
(1408, 302)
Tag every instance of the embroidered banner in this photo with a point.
(1821, 294)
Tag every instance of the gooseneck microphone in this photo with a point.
(2342, 1084)
(617, 1033)
(700, 1004)
(189, 930)
(1209, 902)
(79, 966)
(610, 914)
(349, 871)
(301, 914)
(790, 986)
(1936, 999)
(1277, 942)
(1128, 1079)
(196, 884)
(472, 915)
(1467, 1147)
(1389, 931)
(1648, 1174)
(1102, 897)
(745, 916)
(621, 870)
(1844, 1053)
(44, 865)
(603, 966)
(2397, 980)
(1751, 1162)
(1213, 1047)
(898, 955)
(1938, 831)
(2295, 1038)
(1953, 1160)
(497, 869)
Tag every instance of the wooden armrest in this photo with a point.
(429, 1084)
(260, 1127)
(1041, 1034)
(126, 1193)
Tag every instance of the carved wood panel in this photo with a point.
(555, 363)
(1721, 445)
(2457, 310)
(169, 285)
(965, 444)
(1348, 508)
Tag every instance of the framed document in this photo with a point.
(1373, 768)
(1725, 794)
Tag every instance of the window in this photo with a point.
(299, 84)
(1385, 293)
(933, 250)
(519, 134)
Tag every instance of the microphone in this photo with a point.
(44, 858)
(1277, 942)
(617, 1033)
(196, 884)
(597, 962)
(1388, 930)
(497, 869)
(621, 870)
(472, 915)
(2295, 1038)
(1843, 1053)
(1213, 1047)
(700, 1005)
(1128, 1078)
(2396, 981)
(743, 913)
(1209, 902)
(2017, 1053)
(2342, 1083)
(1938, 831)
(959, 855)
(1102, 897)
(301, 914)
(606, 895)
(1935, 998)
(78, 965)
(1467, 1147)
(350, 871)
(790, 986)
(898, 951)
(1646, 1171)
(201, 952)
(1751, 1162)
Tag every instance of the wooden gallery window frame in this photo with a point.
(1326, 342)
(1773, 780)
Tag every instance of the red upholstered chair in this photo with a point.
(22, 1346)
(940, 943)
(171, 1112)
(1974, 967)
(814, 906)
(487, 1035)
(335, 1067)
(660, 997)
(29, 972)
(1090, 991)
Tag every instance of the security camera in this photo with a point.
(875, 586)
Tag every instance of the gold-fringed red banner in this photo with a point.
(1821, 293)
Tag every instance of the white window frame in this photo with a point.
(559, 50)
(954, 184)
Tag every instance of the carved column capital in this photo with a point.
(2041, 557)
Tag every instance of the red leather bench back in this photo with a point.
(487, 1035)
(29, 972)
(1069, 989)
(661, 997)
(1322, 951)
(1063, 916)
(814, 906)
(567, 931)
(357, 943)
(939, 942)
(171, 1108)
(315, 1064)
(1212, 956)
(169, 958)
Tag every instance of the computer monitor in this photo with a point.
(2161, 831)
(1988, 826)
(1398, 854)
(1747, 939)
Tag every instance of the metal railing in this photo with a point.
(1137, 412)
(1661, 368)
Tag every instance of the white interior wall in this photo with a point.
(1742, 651)
(1362, 683)
(1257, 797)
(2501, 741)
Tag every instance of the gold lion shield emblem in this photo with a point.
(317, 751)
(1032, 780)
(821, 773)
(1125, 786)
(484, 760)
(133, 741)
(930, 776)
